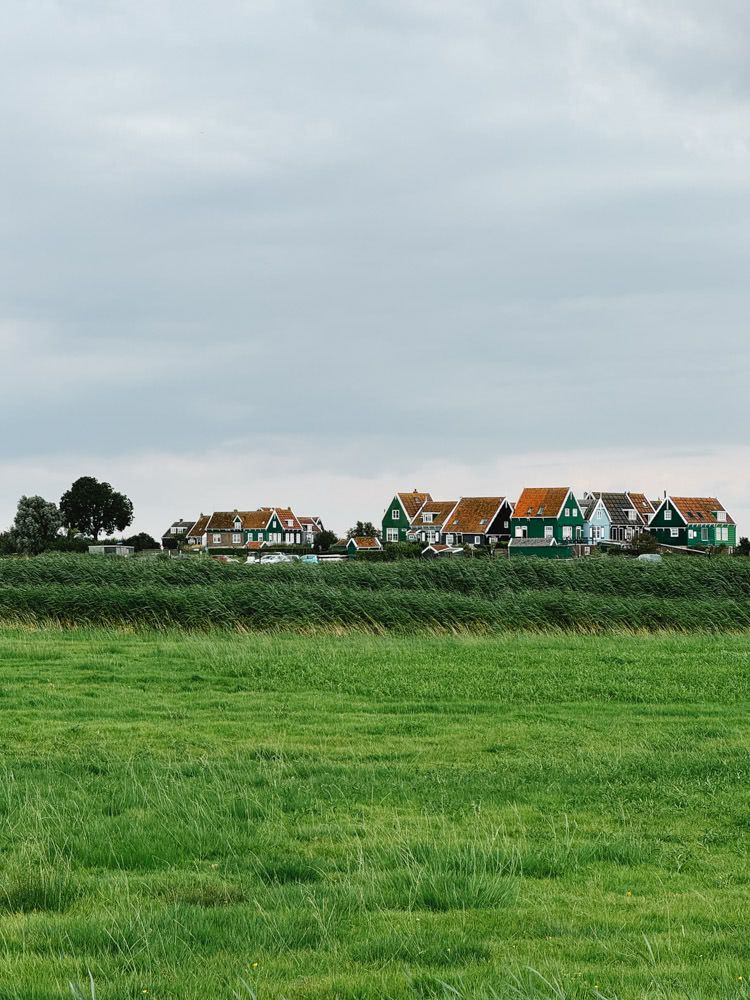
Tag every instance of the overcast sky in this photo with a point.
(310, 252)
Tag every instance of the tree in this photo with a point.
(743, 549)
(92, 507)
(363, 529)
(141, 541)
(36, 525)
(644, 542)
(8, 543)
(324, 540)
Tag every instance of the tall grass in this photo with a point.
(482, 595)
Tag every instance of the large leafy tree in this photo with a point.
(363, 529)
(36, 525)
(324, 540)
(92, 507)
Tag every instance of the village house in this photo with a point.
(362, 543)
(400, 514)
(478, 521)
(614, 517)
(176, 533)
(693, 522)
(548, 513)
(196, 534)
(428, 523)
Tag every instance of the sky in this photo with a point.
(312, 252)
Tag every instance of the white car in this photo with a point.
(275, 557)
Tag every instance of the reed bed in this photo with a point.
(485, 596)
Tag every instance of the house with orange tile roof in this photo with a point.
(428, 525)
(234, 529)
(548, 512)
(614, 517)
(478, 521)
(693, 522)
(400, 515)
(363, 543)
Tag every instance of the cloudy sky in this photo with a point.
(312, 251)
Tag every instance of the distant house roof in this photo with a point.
(364, 542)
(224, 520)
(474, 515)
(199, 527)
(617, 506)
(700, 510)
(645, 508)
(541, 501)
(254, 546)
(532, 543)
(314, 523)
(286, 514)
(411, 502)
(439, 549)
(178, 524)
(439, 509)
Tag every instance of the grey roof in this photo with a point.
(618, 505)
(178, 524)
(533, 543)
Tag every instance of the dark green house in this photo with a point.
(551, 513)
(401, 514)
(693, 522)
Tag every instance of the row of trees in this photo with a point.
(88, 509)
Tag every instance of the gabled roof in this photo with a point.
(364, 542)
(310, 522)
(178, 524)
(645, 508)
(474, 515)
(617, 506)
(250, 520)
(532, 543)
(287, 514)
(546, 501)
(411, 502)
(700, 510)
(439, 548)
(199, 527)
(254, 546)
(440, 510)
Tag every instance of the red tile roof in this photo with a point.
(700, 510)
(440, 509)
(541, 502)
(474, 515)
(199, 527)
(365, 542)
(286, 514)
(642, 505)
(411, 502)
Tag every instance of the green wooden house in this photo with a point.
(693, 522)
(401, 514)
(551, 513)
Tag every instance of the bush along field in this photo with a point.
(706, 595)
(188, 815)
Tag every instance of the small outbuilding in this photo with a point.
(437, 550)
(112, 550)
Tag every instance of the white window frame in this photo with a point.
(236, 538)
(567, 533)
(667, 514)
(395, 514)
(449, 539)
(216, 538)
(477, 539)
(549, 531)
(721, 515)
(391, 534)
(574, 512)
(674, 532)
(567, 512)
(427, 518)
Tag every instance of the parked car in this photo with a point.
(310, 558)
(275, 557)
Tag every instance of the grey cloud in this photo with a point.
(374, 228)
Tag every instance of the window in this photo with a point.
(667, 514)
(427, 518)
(575, 512)
(505, 524)
(391, 534)
(549, 531)
(449, 539)
(477, 540)
(567, 511)
(217, 539)
(289, 522)
(721, 515)
(520, 531)
(631, 515)
(674, 532)
(704, 533)
(395, 514)
(288, 538)
(236, 539)
(628, 534)
(567, 533)
(691, 533)
(173, 530)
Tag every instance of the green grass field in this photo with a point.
(374, 816)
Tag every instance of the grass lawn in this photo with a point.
(374, 817)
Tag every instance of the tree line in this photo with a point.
(86, 511)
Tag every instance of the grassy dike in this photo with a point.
(202, 816)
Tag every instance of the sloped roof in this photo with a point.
(541, 501)
(200, 526)
(700, 510)
(178, 524)
(474, 515)
(532, 543)
(617, 506)
(287, 514)
(364, 542)
(645, 508)
(440, 509)
(250, 520)
(411, 502)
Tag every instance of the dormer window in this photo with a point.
(289, 522)
(631, 515)
(427, 518)
(721, 515)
